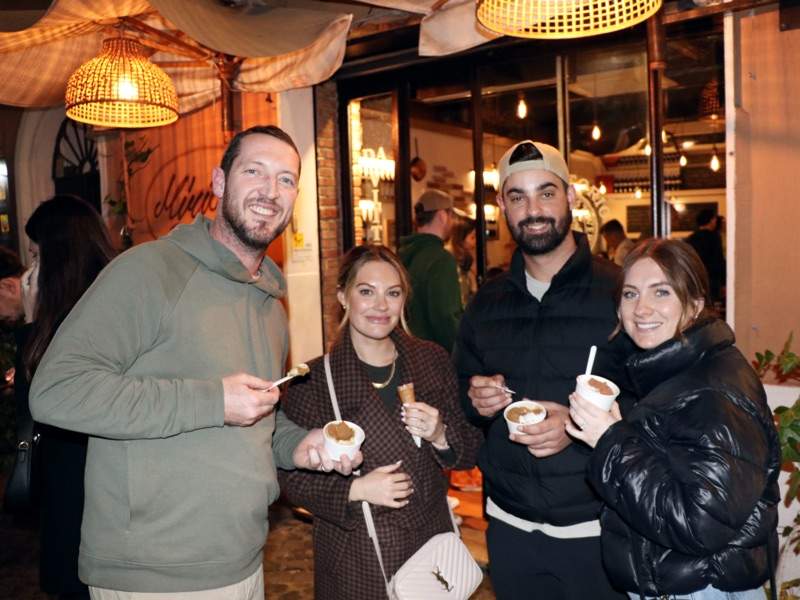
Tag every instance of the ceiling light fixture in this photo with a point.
(714, 163)
(522, 108)
(560, 19)
(596, 132)
(121, 88)
(710, 108)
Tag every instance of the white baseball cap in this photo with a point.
(549, 159)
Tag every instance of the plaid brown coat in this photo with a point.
(345, 565)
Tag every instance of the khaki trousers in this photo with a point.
(251, 588)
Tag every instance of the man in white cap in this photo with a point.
(435, 307)
(531, 329)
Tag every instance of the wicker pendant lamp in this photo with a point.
(121, 88)
(559, 19)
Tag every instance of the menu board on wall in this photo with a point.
(638, 217)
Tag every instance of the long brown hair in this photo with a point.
(359, 256)
(683, 269)
(73, 249)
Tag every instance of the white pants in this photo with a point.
(251, 588)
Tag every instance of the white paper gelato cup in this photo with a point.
(335, 448)
(594, 395)
(528, 418)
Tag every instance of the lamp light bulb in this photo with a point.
(683, 161)
(596, 133)
(522, 109)
(127, 89)
(648, 150)
(714, 165)
(602, 189)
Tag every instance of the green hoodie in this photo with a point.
(175, 500)
(435, 307)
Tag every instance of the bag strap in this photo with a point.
(374, 537)
(336, 414)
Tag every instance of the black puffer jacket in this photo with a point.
(690, 476)
(539, 347)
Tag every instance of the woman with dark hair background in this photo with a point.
(74, 247)
(462, 244)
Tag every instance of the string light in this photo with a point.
(714, 165)
(522, 108)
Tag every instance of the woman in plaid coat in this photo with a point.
(403, 483)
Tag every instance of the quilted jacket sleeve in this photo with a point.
(324, 494)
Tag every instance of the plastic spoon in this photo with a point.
(295, 371)
(590, 362)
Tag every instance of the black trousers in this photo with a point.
(534, 566)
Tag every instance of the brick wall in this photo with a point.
(330, 243)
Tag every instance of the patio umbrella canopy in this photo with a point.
(273, 56)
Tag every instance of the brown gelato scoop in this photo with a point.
(601, 386)
(341, 432)
(516, 414)
(406, 393)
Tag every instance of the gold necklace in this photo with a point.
(382, 384)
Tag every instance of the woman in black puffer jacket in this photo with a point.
(689, 478)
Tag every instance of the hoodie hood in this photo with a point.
(195, 239)
(413, 244)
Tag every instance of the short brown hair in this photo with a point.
(359, 256)
(683, 269)
(232, 151)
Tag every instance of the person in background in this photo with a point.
(435, 305)
(404, 483)
(11, 270)
(617, 243)
(531, 329)
(73, 247)
(167, 363)
(462, 245)
(707, 242)
(690, 476)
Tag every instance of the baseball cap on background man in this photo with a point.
(431, 200)
(544, 157)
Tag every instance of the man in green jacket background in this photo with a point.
(435, 307)
(167, 362)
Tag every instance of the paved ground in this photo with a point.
(288, 565)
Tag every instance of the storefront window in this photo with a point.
(373, 167)
(589, 99)
(609, 143)
(519, 100)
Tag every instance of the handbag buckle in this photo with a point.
(440, 578)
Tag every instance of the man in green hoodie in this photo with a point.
(167, 363)
(435, 307)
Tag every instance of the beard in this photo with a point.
(534, 244)
(255, 237)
